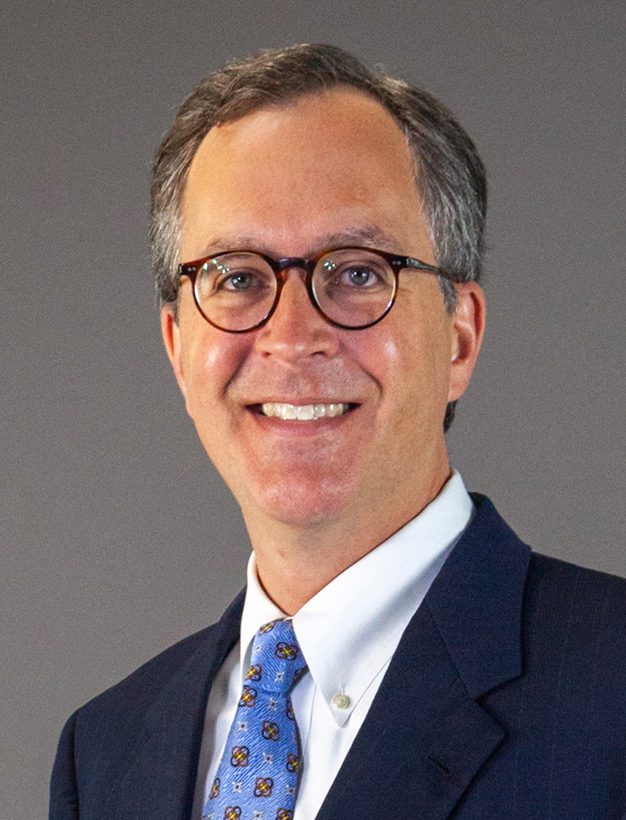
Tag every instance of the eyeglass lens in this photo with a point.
(352, 287)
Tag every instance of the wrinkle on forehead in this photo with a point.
(366, 235)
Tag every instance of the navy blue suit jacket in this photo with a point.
(505, 699)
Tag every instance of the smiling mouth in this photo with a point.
(303, 412)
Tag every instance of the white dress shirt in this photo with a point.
(348, 633)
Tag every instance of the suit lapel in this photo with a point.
(160, 779)
(426, 737)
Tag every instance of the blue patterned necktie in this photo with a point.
(258, 775)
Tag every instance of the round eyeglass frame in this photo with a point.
(397, 263)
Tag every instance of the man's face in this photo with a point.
(327, 170)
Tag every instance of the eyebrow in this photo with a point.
(368, 235)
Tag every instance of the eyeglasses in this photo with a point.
(352, 288)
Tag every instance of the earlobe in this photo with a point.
(468, 325)
(170, 332)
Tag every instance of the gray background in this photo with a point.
(118, 536)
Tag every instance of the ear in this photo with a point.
(468, 326)
(170, 331)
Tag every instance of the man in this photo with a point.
(398, 651)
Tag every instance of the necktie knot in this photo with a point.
(276, 660)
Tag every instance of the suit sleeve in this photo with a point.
(63, 786)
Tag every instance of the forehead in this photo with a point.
(288, 175)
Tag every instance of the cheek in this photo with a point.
(400, 351)
(210, 363)
(410, 361)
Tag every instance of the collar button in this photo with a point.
(341, 701)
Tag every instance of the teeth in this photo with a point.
(302, 412)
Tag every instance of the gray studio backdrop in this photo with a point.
(118, 537)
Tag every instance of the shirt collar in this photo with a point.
(345, 643)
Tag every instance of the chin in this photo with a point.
(300, 503)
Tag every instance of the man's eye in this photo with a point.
(361, 276)
(358, 276)
(241, 280)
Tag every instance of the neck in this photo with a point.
(294, 562)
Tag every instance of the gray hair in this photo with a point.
(448, 171)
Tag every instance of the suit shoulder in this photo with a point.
(139, 688)
(204, 648)
(577, 604)
(563, 576)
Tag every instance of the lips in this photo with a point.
(309, 411)
(304, 412)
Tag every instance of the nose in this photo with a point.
(296, 329)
